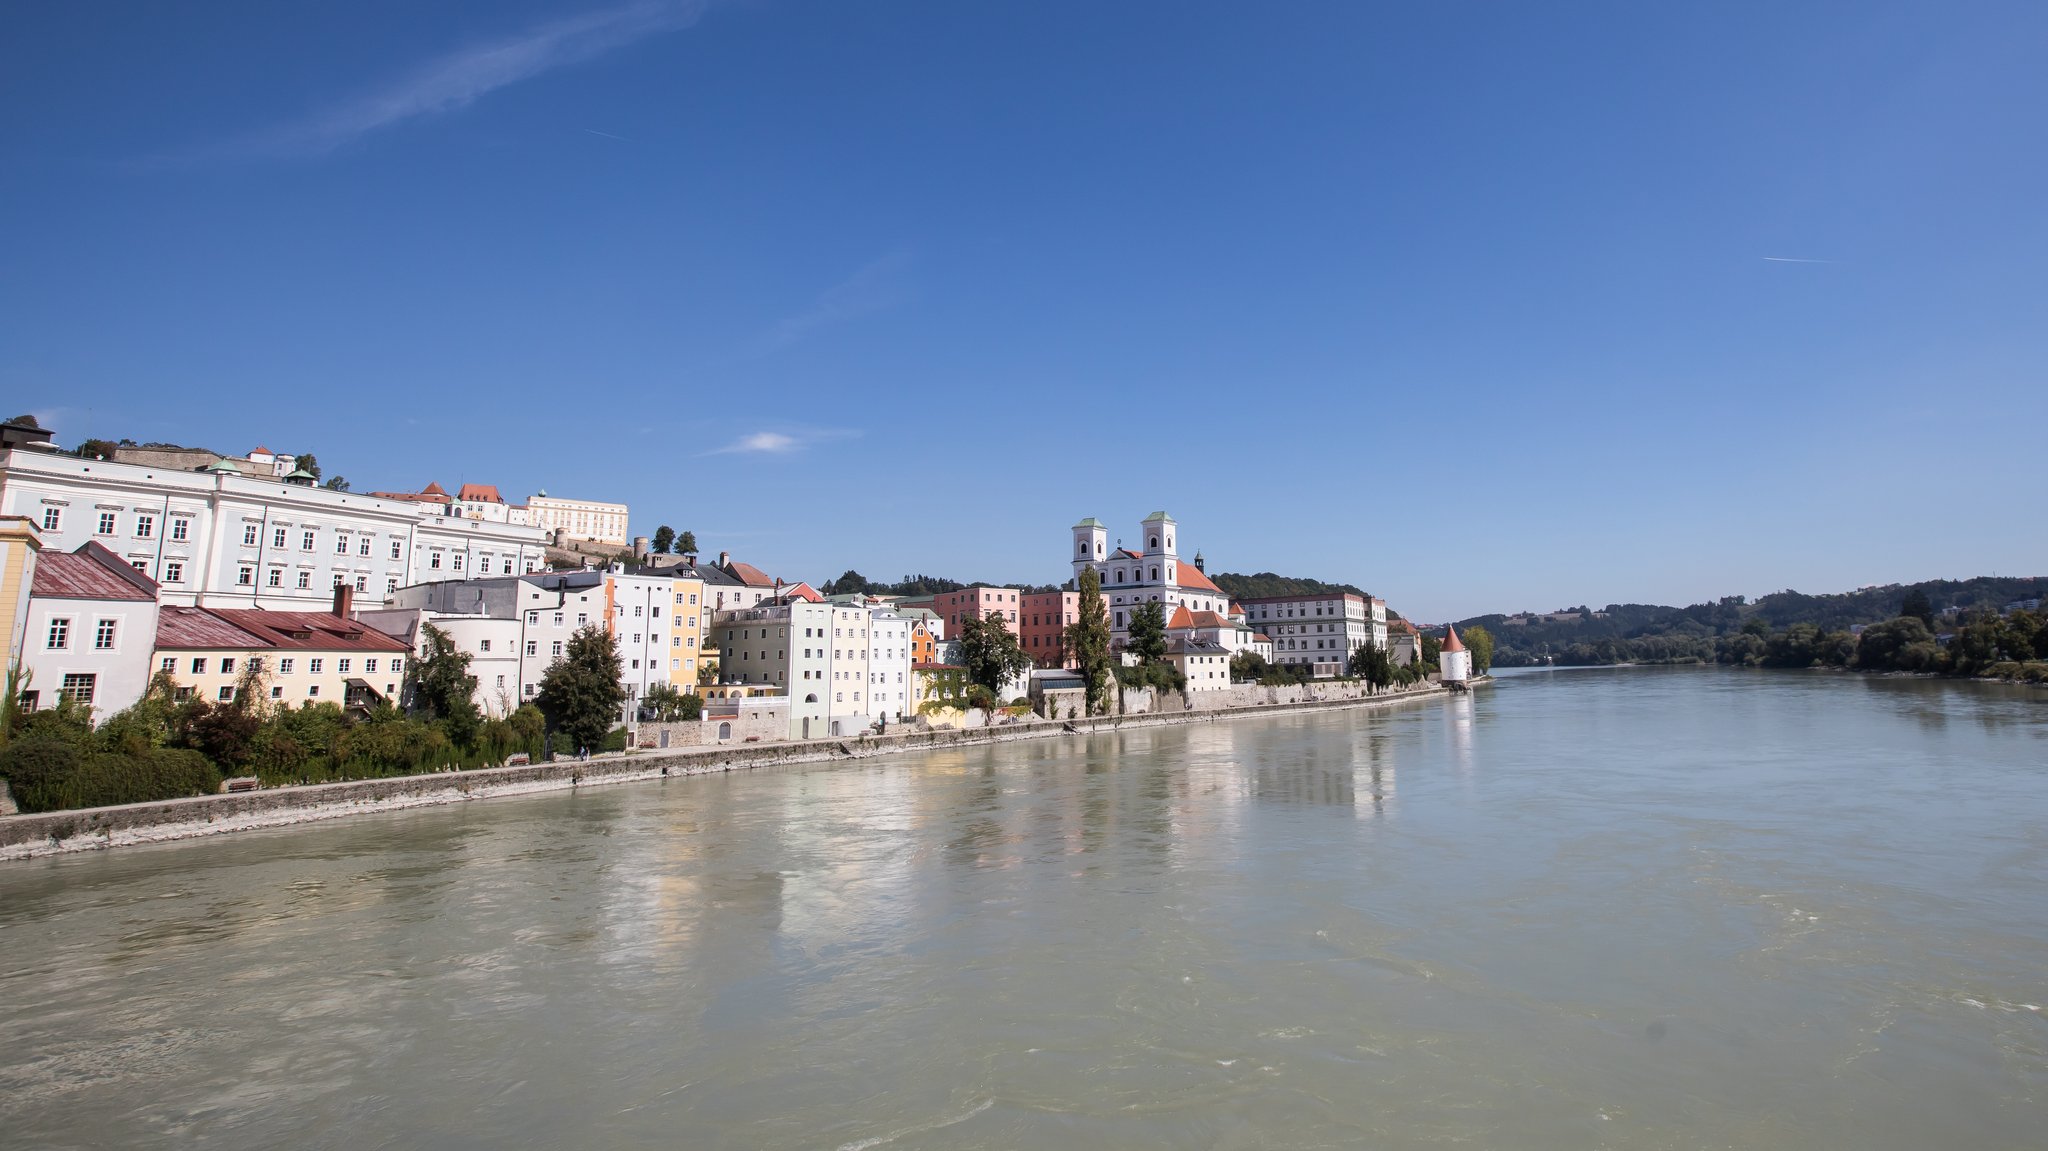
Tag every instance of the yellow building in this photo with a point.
(295, 657)
(19, 543)
(687, 621)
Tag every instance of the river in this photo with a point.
(1657, 908)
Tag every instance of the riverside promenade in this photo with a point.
(99, 828)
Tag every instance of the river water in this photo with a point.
(1620, 908)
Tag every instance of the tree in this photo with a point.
(309, 464)
(580, 693)
(97, 449)
(992, 655)
(1432, 647)
(1148, 632)
(442, 688)
(1248, 667)
(1372, 664)
(26, 421)
(664, 539)
(1088, 639)
(848, 583)
(1918, 606)
(1479, 642)
(668, 705)
(686, 544)
(336, 484)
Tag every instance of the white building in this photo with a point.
(1453, 660)
(1319, 630)
(91, 631)
(492, 644)
(579, 519)
(218, 538)
(1131, 578)
(844, 667)
(548, 608)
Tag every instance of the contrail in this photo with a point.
(623, 140)
(1795, 260)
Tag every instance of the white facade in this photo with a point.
(97, 651)
(1155, 574)
(491, 643)
(1453, 661)
(223, 540)
(844, 667)
(1320, 630)
(580, 519)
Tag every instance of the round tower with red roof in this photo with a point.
(1454, 661)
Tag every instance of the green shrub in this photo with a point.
(614, 740)
(164, 773)
(41, 770)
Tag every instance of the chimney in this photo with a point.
(344, 599)
(690, 559)
(724, 559)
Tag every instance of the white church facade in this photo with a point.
(1155, 574)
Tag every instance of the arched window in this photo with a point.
(1119, 575)
(1081, 546)
(811, 698)
(1155, 571)
(1154, 543)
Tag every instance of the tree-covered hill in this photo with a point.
(1260, 585)
(1622, 633)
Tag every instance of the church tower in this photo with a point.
(1091, 547)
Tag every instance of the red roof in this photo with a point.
(750, 575)
(480, 494)
(179, 628)
(1451, 640)
(91, 572)
(1182, 617)
(803, 591)
(1208, 619)
(433, 489)
(1192, 576)
(306, 631)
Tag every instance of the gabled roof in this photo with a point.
(91, 572)
(1182, 618)
(479, 494)
(750, 575)
(1192, 576)
(803, 591)
(1196, 619)
(433, 489)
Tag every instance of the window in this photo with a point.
(362, 583)
(174, 572)
(507, 567)
(167, 663)
(103, 635)
(313, 666)
(582, 619)
(274, 578)
(306, 540)
(390, 586)
(369, 667)
(481, 645)
(312, 690)
(434, 560)
(305, 579)
(456, 561)
(533, 647)
(181, 529)
(248, 535)
(340, 545)
(558, 619)
(397, 665)
(277, 537)
(106, 523)
(636, 611)
(636, 637)
(529, 689)
(285, 666)
(60, 634)
(363, 546)
(557, 651)
(533, 619)
(397, 549)
(52, 518)
(341, 665)
(226, 693)
(276, 692)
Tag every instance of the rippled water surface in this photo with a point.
(1624, 908)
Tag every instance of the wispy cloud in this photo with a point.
(782, 443)
(877, 286)
(459, 79)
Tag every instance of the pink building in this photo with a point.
(1042, 619)
(975, 603)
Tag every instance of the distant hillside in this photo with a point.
(1259, 585)
(1621, 633)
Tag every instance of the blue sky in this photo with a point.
(1482, 307)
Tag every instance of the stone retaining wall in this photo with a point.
(86, 829)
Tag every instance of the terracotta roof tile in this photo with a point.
(479, 494)
(1191, 576)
